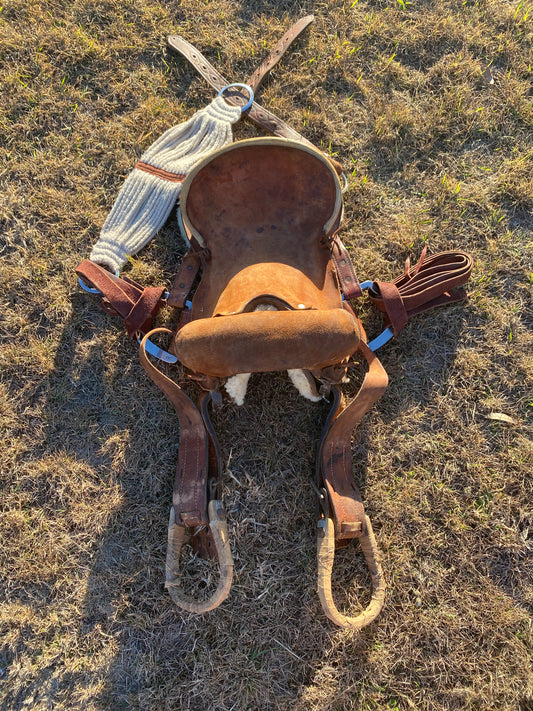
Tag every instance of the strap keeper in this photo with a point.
(394, 306)
(352, 530)
(191, 519)
(144, 310)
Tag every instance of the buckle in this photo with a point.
(386, 334)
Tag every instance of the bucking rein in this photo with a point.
(272, 285)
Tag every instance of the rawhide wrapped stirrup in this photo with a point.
(191, 510)
(325, 558)
(177, 535)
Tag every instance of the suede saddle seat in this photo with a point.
(262, 213)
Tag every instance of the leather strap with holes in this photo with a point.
(433, 281)
(184, 280)
(345, 271)
(256, 113)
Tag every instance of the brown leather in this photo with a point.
(190, 485)
(184, 280)
(335, 456)
(428, 284)
(160, 173)
(265, 208)
(262, 216)
(345, 271)
(275, 55)
(135, 304)
(263, 341)
(256, 113)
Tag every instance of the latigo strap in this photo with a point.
(434, 281)
(136, 305)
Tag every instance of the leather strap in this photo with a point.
(345, 271)
(184, 279)
(256, 113)
(190, 497)
(335, 454)
(132, 302)
(160, 173)
(279, 50)
(422, 287)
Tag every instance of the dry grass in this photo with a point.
(429, 106)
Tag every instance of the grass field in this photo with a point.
(428, 105)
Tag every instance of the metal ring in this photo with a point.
(243, 86)
(88, 289)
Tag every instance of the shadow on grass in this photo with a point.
(116, 422)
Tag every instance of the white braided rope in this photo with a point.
(145, 200)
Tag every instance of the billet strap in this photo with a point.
(184, 280)
(279, 50)
(345, 271)
(190, 498)
(335, 458)
(325, 558)
(422, 287)
(256, 113)
(136, 305)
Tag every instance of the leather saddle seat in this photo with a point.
(262, 213)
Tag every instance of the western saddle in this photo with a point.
(267, 285)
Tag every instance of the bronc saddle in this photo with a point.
(272, 285)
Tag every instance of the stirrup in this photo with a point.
(176, 537)
(326, 555)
